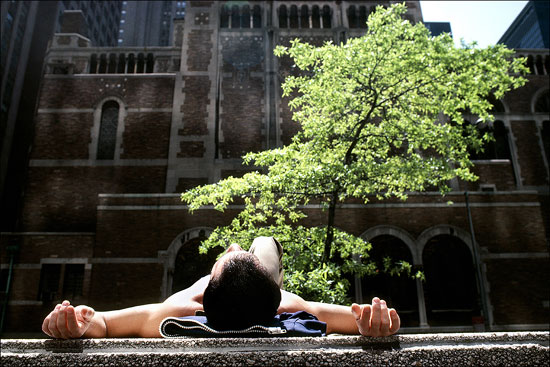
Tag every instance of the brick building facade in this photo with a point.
(120, 132)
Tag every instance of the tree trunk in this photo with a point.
(330, 227)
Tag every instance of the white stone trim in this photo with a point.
(124, 260)
(168, 257)
(146, 110)
(122, 113)
(25, 303)
(536, 96)
(64, 260)
(515, 255)
(65, 110)
(21, 266)
(96, 162)
(343, 206)
(48, 233)
(394, 231)
(413, 194)
(139, 195)
(107, 76)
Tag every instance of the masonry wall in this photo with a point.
(64, 176)
(123, 217)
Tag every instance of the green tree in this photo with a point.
(380, 116)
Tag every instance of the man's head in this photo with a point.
(241, 293)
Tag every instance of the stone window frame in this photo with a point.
(122, 114)
(233, 16)
(305, 16)
(540, 118)
(168, 257)
(416, 246)
(500, 115)
(503, 116)
(59, 293)
(357, 16)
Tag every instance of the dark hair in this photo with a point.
(242, 295)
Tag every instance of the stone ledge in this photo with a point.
(476, 349)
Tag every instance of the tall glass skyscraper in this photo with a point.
(531, 27)
(148, 23)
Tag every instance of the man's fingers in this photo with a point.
(356, 311)
(365, 318)
(87, 313)
(375, 318)
(362, 317)
(72, 323)
(62, 322)
(384, 318)
(395, 321)
(52, 324)
(46, 323)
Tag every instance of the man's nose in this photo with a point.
(234, 247)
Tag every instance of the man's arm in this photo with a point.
(67, 322)
(369, 320)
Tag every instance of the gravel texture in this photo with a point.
(461, 349)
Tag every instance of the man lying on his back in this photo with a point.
(243, 289)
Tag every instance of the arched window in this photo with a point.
(498, 148)
(531, 64)
(542, 104)
(304, 17)
(190, 265)
(257, 17)
(150, 63)
(121, 64)
(352, 17)
(398, 291)
(106, 144)
(131, 64)
(140, 63)
(93, 64)
(112, 64)
(293, 16)
(450, 290)
(102, 64)
(539, 66)
(545, 133)
(327, 17)
(502, 148)
(498, 107)
(315, 17)
(235, 17)
(283, 17)
(362, 17)
(245, 17)
(224, 17)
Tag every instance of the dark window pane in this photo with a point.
(49, 282)
(450, 289)
(398, 291)
(107, 131)
(74, 278)
(190, 265)
(283, 17)
(543, 103)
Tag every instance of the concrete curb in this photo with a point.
(460, 349)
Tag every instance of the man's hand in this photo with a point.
(376, 320)
(67, 322)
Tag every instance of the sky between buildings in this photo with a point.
(481, 21)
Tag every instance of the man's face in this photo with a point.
(231, 252)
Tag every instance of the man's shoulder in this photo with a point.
(291, 302)
(190, 296)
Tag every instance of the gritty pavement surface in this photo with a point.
(458, 349)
